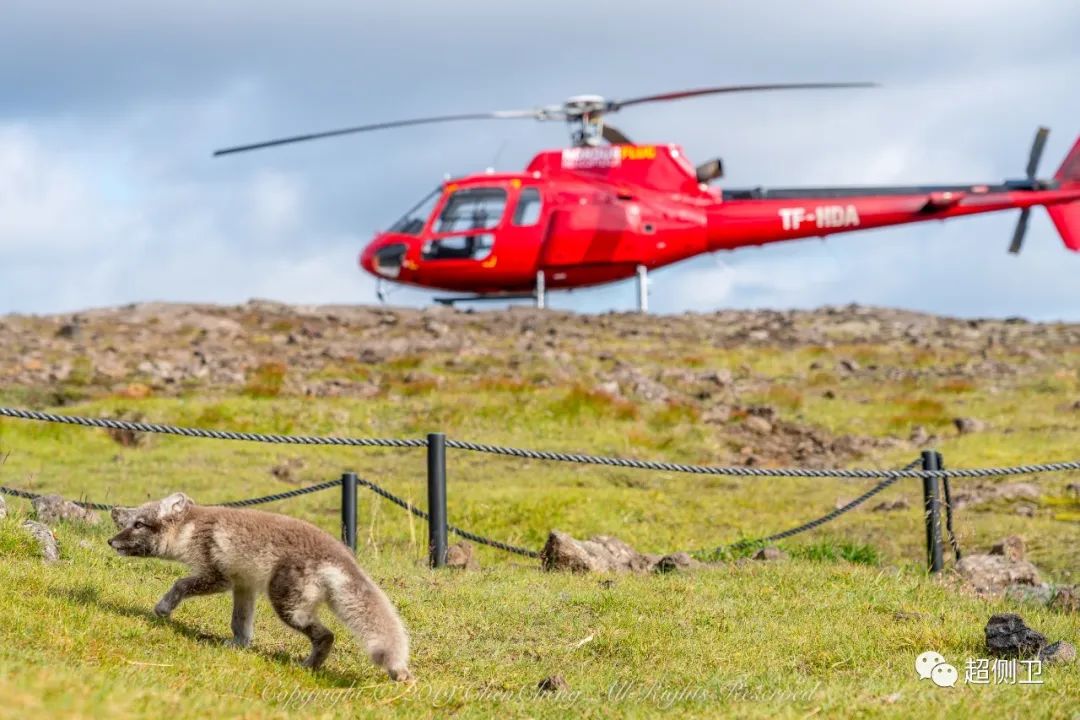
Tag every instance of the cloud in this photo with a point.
(108, 193)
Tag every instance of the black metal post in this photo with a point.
(348, 509)
(932, 508)
(436, 495)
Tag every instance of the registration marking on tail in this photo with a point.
(823, 216)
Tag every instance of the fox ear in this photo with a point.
(121, 516)
(174, 506)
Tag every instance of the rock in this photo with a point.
(127, 438)
(980, 494)
(286, 470)
(553, 684)
(50, 549)
(460, 556)
(634, 381)
(722, 377)
(992, 574)
(919, 435)
(758, 424)
(68, 331)
(136, 391)
(770, 553)
(1040, 594)
(965, 425)
(54, 508)
(848, 366)
(3, 507)
(1025, 510)
(1066, 599)
(679, 561)
(1011, 547)
(1059, 652)
(1007, 636)
(609, 388)
(892, 506)
(599, 554)
(717, 415)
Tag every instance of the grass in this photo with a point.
(831, 632)
(748, 639)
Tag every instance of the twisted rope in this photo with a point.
(948, 518)
(859, 474)
(828, 517)
(497, 544)
(111, 424)
(15, 492)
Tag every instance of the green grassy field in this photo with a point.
(816, 635)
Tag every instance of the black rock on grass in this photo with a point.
(1008, 637)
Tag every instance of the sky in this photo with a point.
(110, 111)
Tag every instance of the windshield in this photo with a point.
(472, 209)
(412, 222)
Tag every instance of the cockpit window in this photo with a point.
(472, 209)
(527, 211)
(460, 247)
(412, 222)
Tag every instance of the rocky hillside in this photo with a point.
(747, 373)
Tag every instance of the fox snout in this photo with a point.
(117, 544)
(124, 543)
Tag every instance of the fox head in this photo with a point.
(144, 530)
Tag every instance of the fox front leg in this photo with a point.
(189, 587)
(243, 616)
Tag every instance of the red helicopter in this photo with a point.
(596, 213)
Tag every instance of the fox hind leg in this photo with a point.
(295, 597)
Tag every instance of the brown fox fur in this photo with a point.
(296, 564)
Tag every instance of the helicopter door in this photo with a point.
(593, 233)
(459, 230)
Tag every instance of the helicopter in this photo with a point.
(606, 208)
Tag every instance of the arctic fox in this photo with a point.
(295, 563)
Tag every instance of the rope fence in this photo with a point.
(817, 522)
(26, 494)
(855, 474)
(927, 468)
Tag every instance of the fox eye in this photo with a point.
(139, 525)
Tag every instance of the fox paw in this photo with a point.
(402, 675)
(162, 610)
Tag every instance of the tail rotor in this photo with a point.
(1032, 167)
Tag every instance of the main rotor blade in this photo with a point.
(1020, 231)
(498, 115)
(615, 136)
(679, 95)
(1036, 151)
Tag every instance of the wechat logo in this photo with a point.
(932, 666)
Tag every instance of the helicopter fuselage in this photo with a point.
(589, 215)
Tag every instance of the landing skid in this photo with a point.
(539, 296)
(482, 298)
